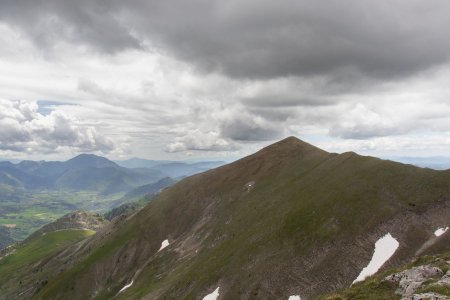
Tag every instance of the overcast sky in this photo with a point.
(177, 79)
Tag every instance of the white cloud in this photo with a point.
(201, 141)
(24, 129)
(153, 105)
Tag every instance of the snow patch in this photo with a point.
(127, 286)
(164, 244)
(295, 297)
(440, 231)
(385, 247)
(213, 295)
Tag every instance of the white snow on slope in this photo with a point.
(385, 247)
(164, 244)
(295, 297)
(127, 286)
(213, 295)
(440, 231)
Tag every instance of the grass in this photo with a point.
(40, 248)
(31, 210)
(375, 288)
(19, 266)
(303, 202)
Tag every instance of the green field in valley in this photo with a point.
(23, 212)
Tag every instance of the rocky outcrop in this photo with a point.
(74, 220)
(413, 280)
(427, 296)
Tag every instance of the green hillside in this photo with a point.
(289, 220)
(377, 287)
(23, 265)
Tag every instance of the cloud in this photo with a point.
(253, 39)
(24, 129)
(201, 141)
(362, 123)
(167, 77)
(90, 23)
(243, 126)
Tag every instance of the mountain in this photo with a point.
(174, 169)
(179, 169)
(89, 161)
(141, 163)
(145, 190)
(291, 219)
(427, 277)
(33, 193)
(20, 263)
(437, 163)
(138, 198)
(83, 172)
(74, 220)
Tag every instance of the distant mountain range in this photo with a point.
(174, 169)
(33, 193)
(83, 172)
(95, 173)
(291, 221)
(432, 162)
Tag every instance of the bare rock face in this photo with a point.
(445, 280)
(423, 296)
(410, 280)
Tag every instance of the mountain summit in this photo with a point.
(290, 219)
(90, 160)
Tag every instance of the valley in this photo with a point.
(224, 150)
(33, 193)
(27, 211)
(291, 220)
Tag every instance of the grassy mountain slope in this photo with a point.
(22, 267)
(290, 219)
(33, 193)
(180, 169)
(376, 287)
(144, 190)
(137, 198)
(74, 220)
(21, 271)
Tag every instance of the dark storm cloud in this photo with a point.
(48, 22)
(272, 101)
(247, 127)
(254, 39)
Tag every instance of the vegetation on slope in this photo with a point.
(290, 219)
(376, 287)
(20, 270)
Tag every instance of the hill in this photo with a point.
(427, 277)
(20, 263)
(83, 172)
(141, 163)
(291, 219)
(138, 198)
(174, 169)
(33, 193)
(74, 220)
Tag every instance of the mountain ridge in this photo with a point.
(290, 219)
